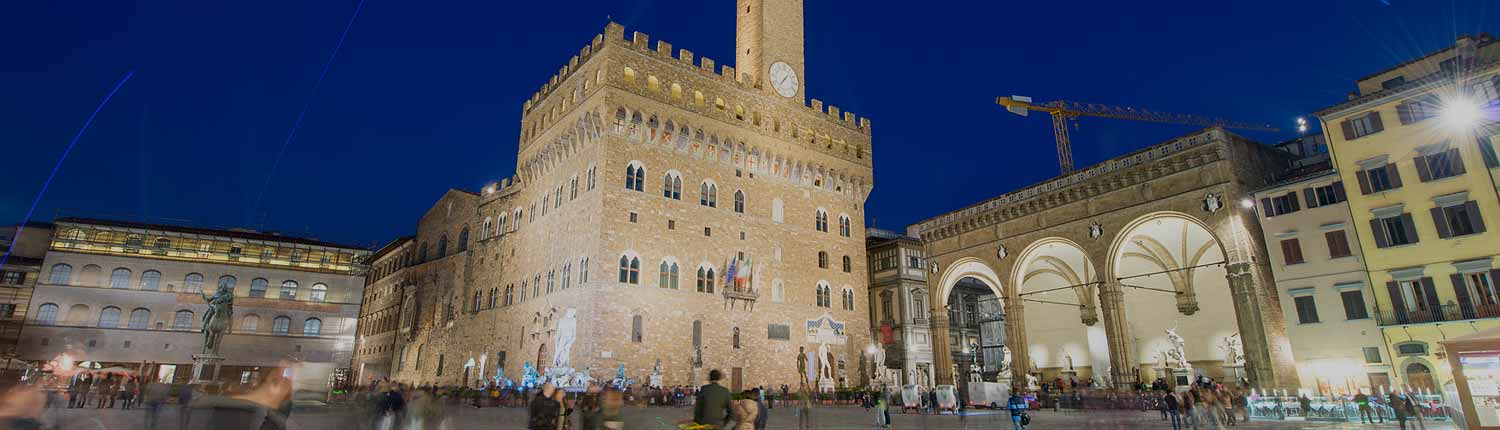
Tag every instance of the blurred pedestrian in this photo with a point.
(154, 395)
(744, 411)
(711, 405)
(763, 412)
(21, 406)
(184, 413)
(543, 412)
(264, 407)
(590, 409)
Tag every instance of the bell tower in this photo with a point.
(770, 32)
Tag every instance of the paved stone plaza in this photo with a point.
(838, 417)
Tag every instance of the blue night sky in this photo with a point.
(426, 95)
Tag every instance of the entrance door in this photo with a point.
(1379, 381)
(736, 379)
(1418, 376)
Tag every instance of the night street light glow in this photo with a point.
(1460, 113)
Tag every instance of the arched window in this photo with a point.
(61, 274)
(583, 270)
(281, 325)
(706, 280)
(442, 250)
(820, 221)
(489, 224)
(822, 259)
(629, 75)
(463, 240)
(567, 275)
(109, 317)
(636, 329)
(591, 178)
(672, 186)
(635, 177)
(250, 323)
(422, 250)
(119, 278)
(844, 225)
(258, 287)
(848, 264)
(192, 283)
(630, 270)
(151, 280)
(708, 194)
(46, 314)
(312, 327)
(319, 293)
(183, 320)
(739, 201)
(653, 84)
(736, 338)
(676, 91)
(289, 290)
(226, 282)
(140, 319)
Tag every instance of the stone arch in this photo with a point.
(967, 267)
(1056, 339)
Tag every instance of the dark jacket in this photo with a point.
(543, 413)
(224, 413)
(712, 405)
(1169, 402)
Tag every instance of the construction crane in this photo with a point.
(1065, 112)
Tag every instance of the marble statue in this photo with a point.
(1031, 383)
(656, 374)
(825, 362)
(567, 330)
(1234, 350)
(1177, 355)
(216, 319)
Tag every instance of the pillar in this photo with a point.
(1116, 332)
(1258, 363)
(1015, 339)
(942, 353)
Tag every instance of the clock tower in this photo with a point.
(768, 45)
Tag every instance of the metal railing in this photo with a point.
(1449, 312)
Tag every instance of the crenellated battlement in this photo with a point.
(614, 34)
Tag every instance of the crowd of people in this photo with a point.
(1204, 406)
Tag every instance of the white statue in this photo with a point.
(1234, 352)
(1031, 383)
(825, 362)
(1177, 356)
(567, 329)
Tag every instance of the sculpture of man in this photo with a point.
(801, 360)
(567, 329)
(825, 362)
(1178, 353)
(216, 318)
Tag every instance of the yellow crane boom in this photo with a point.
(1064, 112)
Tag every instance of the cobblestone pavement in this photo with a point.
(830, 417)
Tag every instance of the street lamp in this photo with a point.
(1460, 113)
(1302, 125)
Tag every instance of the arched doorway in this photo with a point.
(1056, 278)
(968, 278)
(1176, 299)
(1419, 377)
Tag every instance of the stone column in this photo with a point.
(942, 353)
(1015, 340)
(1252, 329)
(1116, 332)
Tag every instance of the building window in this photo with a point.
(1377, 179)
(1459, 219)
(258, 288)
(635, 329)
(583, 270)
(668, 275)
(1307, 310)
(151, 280)
(633, 217)
(1418, 109)
(281, 326)
(1354, 305)
(119, 278)
(739, 201)
(1291, 251)
(109, 317)
(289, 290)
(1324, 195)
(319, 293)
(708, 194)
(463, 240)
(630, 270)
(1412, 348)
(1441, 164)
(1361, 126)
(708, 231)
(442, 247)
(844, 226)
(46, 314)
(61, 274)
(822, 259)
(226, 282)
(140, 319)
(1338, 244)
(672, 186)
(820, 221)
(1280, 205)
(706, 280)
(635, 177)
(848, 264)
(312, 327)
(736, 341)
(182, 320)
(1415, 300)
(1372, 355)
(671, 224)
(250, 323)
(192, 283)
(1393, 231)
(442, 359)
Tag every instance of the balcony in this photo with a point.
(1450, 312)
(737, 294)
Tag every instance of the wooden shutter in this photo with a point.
(1403, 112)
(1397, 303)
(1411, 227)
(1441, 222)
(1433, 305)
(1266, 203)
(1456, 160)
(1423, 172)
(1390, 170)
(1376, 228)
(1465, 305)
(1338, 244)
(1375, 125)
(1291, 251)
(1311, 197)
(1348, 130)
(1472, 208)
(1364, 181)
(1338, 192)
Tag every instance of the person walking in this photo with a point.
(1364, 407)
(1017, 406)
(78, 390)
(804, 407)
(744, 411)
(543, 412)
(711, 404)
(128, 391)
(1189, 418)
(104, 392)
(590, 409)
(762, 413)
(1398, 405)
(184, 400)
(154, 395)
(563, 422)
(264, 407)
(882, 413)
(1170, 408)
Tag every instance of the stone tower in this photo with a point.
(769, 31)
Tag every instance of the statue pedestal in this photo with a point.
(656, 380)
(1182, 377)
(201, 363)
(825, 385)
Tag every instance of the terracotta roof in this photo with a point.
(235, 233)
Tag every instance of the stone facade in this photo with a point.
(20, 267)
(898, 299)
(1108, 258)
(633, 160)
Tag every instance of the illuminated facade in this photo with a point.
(1415, 150)
(127, 294)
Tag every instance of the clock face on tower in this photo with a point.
(784, 79)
